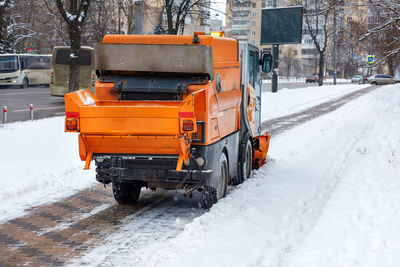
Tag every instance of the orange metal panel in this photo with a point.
(129, 126)
(156, 39)
(104, 91)
(214, 128)
(260, 154)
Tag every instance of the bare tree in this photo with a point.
(384, 32)
(5, 7)
(15, 28)
(289, 61)
(101, 20)
(177, 11)
(317, 14)
(74, 16)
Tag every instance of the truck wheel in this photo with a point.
(244, 168)
(222, 186)
(126, 193)
(210, 195)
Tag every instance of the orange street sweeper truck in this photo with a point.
(173, 112)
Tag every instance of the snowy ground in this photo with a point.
(330, 195)
(282, 79)
(39, 163)
(288, 101)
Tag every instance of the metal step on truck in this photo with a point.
(172, 112)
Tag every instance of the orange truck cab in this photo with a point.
(173, 112)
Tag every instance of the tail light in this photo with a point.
(72, 114)
(52, 78)
(187, 125)
(71, 124)
(93, 80)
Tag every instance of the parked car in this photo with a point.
(382, 79)
(357, 79)
(312, 79)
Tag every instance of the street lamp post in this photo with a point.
(119, 16)
(334, 46)
(275, 52)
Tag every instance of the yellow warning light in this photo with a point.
(218, 34)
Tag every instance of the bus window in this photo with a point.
(63, 57)
(8, 64)
(60, 70)
(40, 63)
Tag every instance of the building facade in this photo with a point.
(244, 23)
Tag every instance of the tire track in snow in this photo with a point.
(53, 234)
(281, 124)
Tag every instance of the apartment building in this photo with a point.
(244, 22)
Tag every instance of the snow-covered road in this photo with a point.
(328, 197)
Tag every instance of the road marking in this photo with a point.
(59, 113)
(22, 110)
(26, 93)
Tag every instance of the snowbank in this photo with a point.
(39, 163)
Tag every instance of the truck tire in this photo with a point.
(210, 195)
(244, 168)
(126, 193)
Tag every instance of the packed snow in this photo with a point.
(288, 101)
(329, 195)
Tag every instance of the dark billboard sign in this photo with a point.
(281, 25)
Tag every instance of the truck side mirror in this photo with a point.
(266, 62)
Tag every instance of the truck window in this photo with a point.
(63, 57)
(252, 68)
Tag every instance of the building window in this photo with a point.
(240, 32)
(254, 5)
(349, 19)
(268, 3)
(254, 14)
(239, 22)
(253, 42)
(253, 23)
(280, 3)
(253, 33)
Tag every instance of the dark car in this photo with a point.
(312, 79)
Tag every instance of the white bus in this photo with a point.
(59, 81)
(23, 70)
